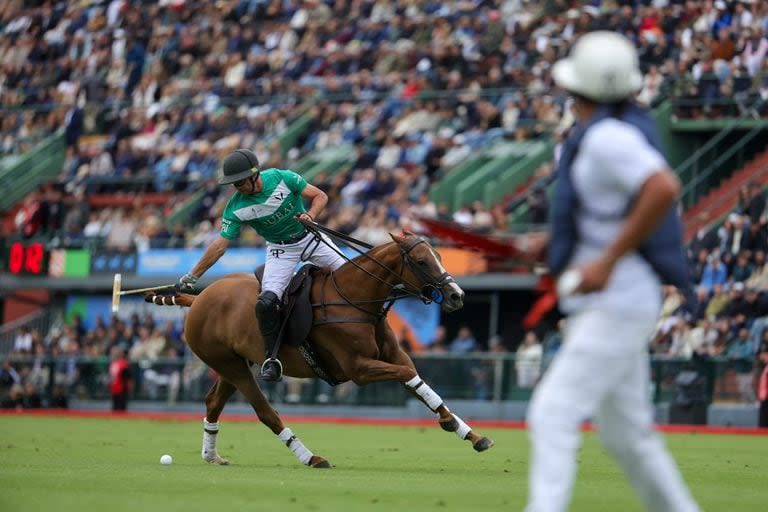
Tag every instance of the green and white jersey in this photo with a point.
(271, 212)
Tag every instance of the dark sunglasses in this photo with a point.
(240, 183)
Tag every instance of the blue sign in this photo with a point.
(111, 262)
(422, 318)
(166, 262)
(171, 262)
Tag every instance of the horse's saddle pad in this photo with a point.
(297, 304)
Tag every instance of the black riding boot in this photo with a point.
(268, 313)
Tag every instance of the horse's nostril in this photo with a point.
(455, 297)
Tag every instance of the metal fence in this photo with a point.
(480, 376)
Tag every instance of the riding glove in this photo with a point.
(187, 282)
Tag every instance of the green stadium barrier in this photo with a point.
(32, 169)
(333, 160)
(490, 174)
(442, 191)
(183, 211)
(514, 156)
(496, 189)
(295, 131)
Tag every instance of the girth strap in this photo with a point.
(306, 351)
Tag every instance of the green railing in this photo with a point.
(184, 210)
(477, 376)
(691, 191)
(332, 160)
(489, 174)
(32, 169)
(513, 165)
(508, 179)
(689, 168)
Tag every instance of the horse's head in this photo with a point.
(427, 271)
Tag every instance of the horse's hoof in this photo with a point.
(482, 444)
(320, 463)
(449, 425)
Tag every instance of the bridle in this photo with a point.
(431, 289)
(428, 290)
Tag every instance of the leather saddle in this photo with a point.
(296, 308)
(297, 318)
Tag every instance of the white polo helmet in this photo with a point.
(603, 67)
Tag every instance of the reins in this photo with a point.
(403, 288)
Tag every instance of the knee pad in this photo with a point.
(268, 303)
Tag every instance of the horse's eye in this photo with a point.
(422, 263)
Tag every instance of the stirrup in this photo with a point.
(271, 369)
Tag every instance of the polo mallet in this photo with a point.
(116, 292)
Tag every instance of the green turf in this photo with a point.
(105, 465)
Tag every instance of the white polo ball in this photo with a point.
(166, 459)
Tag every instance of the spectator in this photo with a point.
(718, 301)
(740, 352)
(705, 239)
(715, 273)
(31, 397)
(22, 344)
(121, 382)
(59, 398)
(698, 310)
(553, 340)
(538, 205)
(163, 374)
(756, 205)
(734, 237)
(464, 342)
(14, 399)
(759, 278)
(755, 238)
(762, 381)
(496, 344)
(9, 377)
(742, 269)
(30, 219)
(439, 342)
(528, 361)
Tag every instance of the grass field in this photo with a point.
(112, 465)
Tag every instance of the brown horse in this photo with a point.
(350, 335)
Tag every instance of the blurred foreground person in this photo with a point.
(614, 223)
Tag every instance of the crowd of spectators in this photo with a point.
(727, 315)
(414, 86)
(72, 359)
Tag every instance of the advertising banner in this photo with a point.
(111, 262)
(171, 262)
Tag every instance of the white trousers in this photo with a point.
(281, 261)
(600, 372)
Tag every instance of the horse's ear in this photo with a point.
(398, 238)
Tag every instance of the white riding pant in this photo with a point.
(601, 371)
(281, 260)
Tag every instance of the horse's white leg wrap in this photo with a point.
(297, 447)
(210, 430)
(463, 430)
(427, 394)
